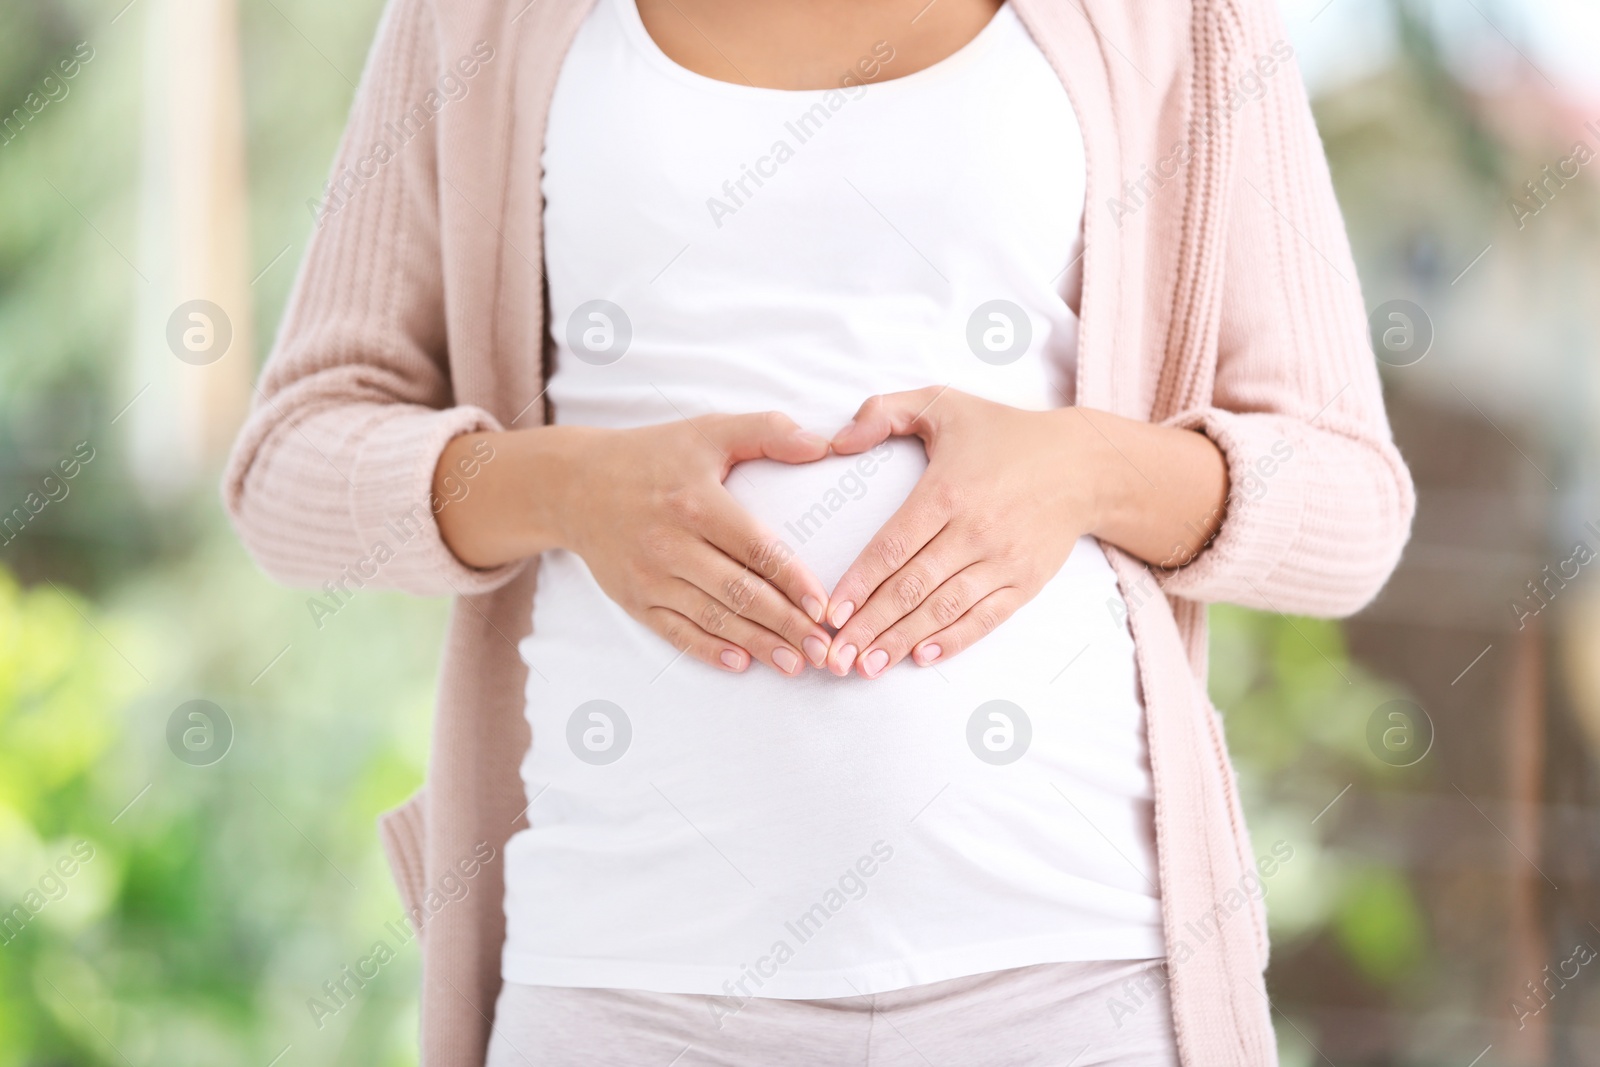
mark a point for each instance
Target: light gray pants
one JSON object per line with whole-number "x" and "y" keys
{"x": 1052, "y": 1015}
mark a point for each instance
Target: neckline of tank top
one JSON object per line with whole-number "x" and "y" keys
{"x": 957, "y": 62}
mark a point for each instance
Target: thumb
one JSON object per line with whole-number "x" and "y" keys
{"x": 766, "y": 435}
{"x": 907, "y": 414}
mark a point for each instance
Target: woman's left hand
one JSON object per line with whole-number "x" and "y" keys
{"x": 1006, "y": 495}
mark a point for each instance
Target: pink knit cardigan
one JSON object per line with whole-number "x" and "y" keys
{"x": 1219, "y": 294}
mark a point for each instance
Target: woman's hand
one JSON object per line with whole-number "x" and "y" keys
{"x": 647, "y": 512}
{"x": 1006, "y": 495}
{"x": 993, "y": 517}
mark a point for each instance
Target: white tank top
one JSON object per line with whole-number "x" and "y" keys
{"x": 714, "y": 247}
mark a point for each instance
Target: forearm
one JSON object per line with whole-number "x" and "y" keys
{"x": 513, "y": 506}
{"x": 1160, "y": 493}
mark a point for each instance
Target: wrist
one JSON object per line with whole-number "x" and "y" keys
{"x": 549, "y": 486}
{"x": 1098, "y": 473}
{"x": 1156, "y": 492}
{"x": 514, "y": 502}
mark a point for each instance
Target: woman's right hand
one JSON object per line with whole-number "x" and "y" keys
{"x": 646, "y": 510}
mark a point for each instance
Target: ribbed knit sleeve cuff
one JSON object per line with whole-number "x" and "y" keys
{"x": 393, "y": 502}
{"x": 1262, "y": 514}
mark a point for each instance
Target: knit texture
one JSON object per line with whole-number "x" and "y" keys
{"x": 1219, "y": 294}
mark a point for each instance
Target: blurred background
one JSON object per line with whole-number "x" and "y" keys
{"x": 189, "y": 874}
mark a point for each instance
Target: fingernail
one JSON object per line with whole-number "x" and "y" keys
{"x": 842, "y": 613}
{"x": 812, "y": 607}
{"x": 845, "y": 660}
{"x": 928, "y": 653}
{"x": 786, "y": 660}
{"x": 816, "y": 650}
{"x": 813, "y": 439}
{"x": 732, "y": 660}
{"x": 875, "y": 662}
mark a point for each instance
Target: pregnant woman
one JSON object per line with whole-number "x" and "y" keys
{"x": 832, "y": 418}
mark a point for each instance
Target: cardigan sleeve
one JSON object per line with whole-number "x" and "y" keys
{"x": 1320, "y": 502}
{"x": 331, "y": 475}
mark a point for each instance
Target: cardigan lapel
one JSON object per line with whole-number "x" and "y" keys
{"x": 519, "y": 309}
{"x": 1063, "y": 34}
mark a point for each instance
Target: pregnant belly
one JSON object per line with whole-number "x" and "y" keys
{"x": 719, "y": 783}
{"x": 603, "y": 689}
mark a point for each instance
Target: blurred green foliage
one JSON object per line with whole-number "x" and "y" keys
{"x": 66, "y": 295}
{"x": 1297, "y": 712}
{"x": 218, "y": 898}
{"x": 1378, "y": 924}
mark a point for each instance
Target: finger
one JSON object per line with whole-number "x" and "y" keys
{"x": 731, "y": 528}
{"x": 942, "y": 609}
{"x": 912, "y": 413}
{"x": 914, "y": 523}
{"x": 722, "y": 622}
{"x": 745, "y": 593}
{"x": 681, "y": 632}
{"x": 762, "y": 435}
{"x": 979, "y": 621}
{"x": 900, "y": 594}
